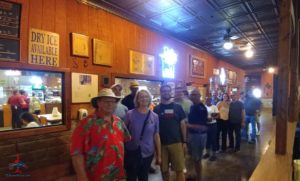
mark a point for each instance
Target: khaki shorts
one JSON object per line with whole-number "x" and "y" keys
{"x": 173, "y": 154}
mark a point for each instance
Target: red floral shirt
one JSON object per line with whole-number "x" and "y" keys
{"x": 102, "y": 145}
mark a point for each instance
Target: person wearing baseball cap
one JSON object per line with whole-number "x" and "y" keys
{"x": 98, "y": 134}
{"x": 121, "y": 110}
{"x": 128, "y": 100}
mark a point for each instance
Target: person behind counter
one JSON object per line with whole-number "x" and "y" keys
{"x": 15, "y": 101}
{"x": 28, "y": 120}
{"x": 35, "y": 105}
{"x": 25, "y": 105}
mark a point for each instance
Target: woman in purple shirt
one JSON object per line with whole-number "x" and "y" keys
{"x": 143, "y": 125}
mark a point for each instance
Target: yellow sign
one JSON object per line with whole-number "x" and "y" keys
{"x": 43, "y": 48}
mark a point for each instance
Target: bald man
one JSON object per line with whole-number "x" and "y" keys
{"x": 197, "y": 130}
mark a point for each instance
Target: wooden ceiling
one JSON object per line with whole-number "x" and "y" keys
{"x": 206, "y": 23}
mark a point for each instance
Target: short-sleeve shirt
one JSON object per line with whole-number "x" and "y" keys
{"x": 210, "y": 110}
{"x": 198, "y": 115}
{"x": 251, "y": 105}
{"x": 121, "y": 111}
{"x": 224, "y": 110}
{"x": 236, "y": 112}
{"x": 128, "y": 101}
{"x": 170, "y": 117}
{"x": 135, "y": 122}
{"x": 101, "y": 143}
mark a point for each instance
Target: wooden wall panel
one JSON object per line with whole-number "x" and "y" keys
{"x": 61, "y": 28}
{"x": 66, "y": 16}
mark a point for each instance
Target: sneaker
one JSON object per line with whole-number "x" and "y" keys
{"x": 257, "y": 133}
{"x": 206, "y": 155}
{"x": 212, "y": 158}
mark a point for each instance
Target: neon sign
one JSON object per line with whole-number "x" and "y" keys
{"x": 169, "y": 60}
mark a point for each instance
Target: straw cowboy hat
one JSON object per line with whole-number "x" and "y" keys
{"x": 134, "y": 84}
{"x": 104, "y": 93}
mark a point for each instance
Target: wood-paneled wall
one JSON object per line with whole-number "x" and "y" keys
{"x": 66, "y": 16}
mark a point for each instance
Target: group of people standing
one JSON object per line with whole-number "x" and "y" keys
{"x": 125, "y": 136}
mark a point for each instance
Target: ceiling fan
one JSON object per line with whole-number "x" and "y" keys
{"x": 231, "y": 41}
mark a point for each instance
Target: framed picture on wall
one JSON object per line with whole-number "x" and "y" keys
{"x": 197, "y": 67}
{"x": 80, "y": 45}
{"x": 141, "y": 63}
{"x": 102, "y": 52}
{"x": 84, "y": 87}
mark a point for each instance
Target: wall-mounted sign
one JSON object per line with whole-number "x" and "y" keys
{"x": 197, "y": 67}
{"x": 10, "y": 19}
{"x": 9, "y": 49}
{"x": 169, "y": 60}
{"x": 43, "y": 48}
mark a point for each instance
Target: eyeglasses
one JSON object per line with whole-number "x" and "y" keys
{"x": 109, "y": 102}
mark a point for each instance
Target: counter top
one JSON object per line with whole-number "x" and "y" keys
{"x": 276, "y": 167}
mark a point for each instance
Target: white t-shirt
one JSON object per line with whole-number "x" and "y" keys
{"x": 212, "y": 109}
{"x": 32, "y": 125}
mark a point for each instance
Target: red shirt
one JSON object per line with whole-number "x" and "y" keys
{"x": 102, "y": 145}
{"x": 15, "y": 100}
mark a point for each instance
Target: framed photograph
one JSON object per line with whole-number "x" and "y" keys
{"x": 141, "y": 63}
{"x": 80, "y": 45}
{"x": 84, "y": 87}
{"x": 102, "y": 52}
{"x": 105, "y": 81}
{"x": 197, "y": 67}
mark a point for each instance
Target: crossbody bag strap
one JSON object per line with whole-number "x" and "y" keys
{"x": 145, "y": 122}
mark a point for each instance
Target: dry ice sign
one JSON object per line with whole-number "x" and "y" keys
{"x": 43, "y": 48}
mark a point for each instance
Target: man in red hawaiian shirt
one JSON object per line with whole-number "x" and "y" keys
{"x": 97, "y": 147}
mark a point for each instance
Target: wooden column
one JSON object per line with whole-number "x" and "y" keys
{"x": 283, "y": 77}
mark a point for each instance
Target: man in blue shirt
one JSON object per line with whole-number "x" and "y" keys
{"x": 197, "y": 130}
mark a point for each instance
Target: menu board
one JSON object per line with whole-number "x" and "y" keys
{"x": 10, "y": 19}
{"x": 9, "y": 50}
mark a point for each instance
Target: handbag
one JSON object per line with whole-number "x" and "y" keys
{"x": 133, "y": 156}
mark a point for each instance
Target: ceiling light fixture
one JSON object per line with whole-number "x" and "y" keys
{"x": 228, "y": 45}
{"x": 271, "y": 70}
{"x": 249, "y": 53}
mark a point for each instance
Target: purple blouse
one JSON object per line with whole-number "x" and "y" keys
{"x": 134, "y": 122}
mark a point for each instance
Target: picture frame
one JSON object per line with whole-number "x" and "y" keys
{"x": 105, "y": 81}
{"x": 102, "y": 52}
{"x": 197, "y": 67}
{"x": 80, "y": 45}
{"x": 141, "y": 63}
{"x": 84, "y": 87}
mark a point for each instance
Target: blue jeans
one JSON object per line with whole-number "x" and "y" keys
{"x": 251, "y": 120}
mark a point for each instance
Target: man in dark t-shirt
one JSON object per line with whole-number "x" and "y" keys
{"x": 236, "y": 120}
{"x": 128, "y": 100}
{"x": 197, "y": 130}
{"x": 172, "y": 132}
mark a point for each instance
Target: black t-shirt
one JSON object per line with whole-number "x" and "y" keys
{"x": 235, "y": 112}
{"x": 198, "y": 115}
{"x": 170, "y": 116}
{"x": 128, "y": 102}
{"x": 251, "y": 104}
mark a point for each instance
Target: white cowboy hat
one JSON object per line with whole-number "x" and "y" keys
{"x": 106, "y": 92}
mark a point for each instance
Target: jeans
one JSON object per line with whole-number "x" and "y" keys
{"x": 250, "y": 120}
{"x": 211, "y": 143}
